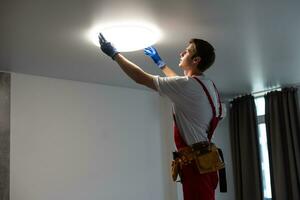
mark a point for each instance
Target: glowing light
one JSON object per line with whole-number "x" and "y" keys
{"x": 127, "y": 36}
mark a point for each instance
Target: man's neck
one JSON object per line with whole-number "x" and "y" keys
{"x": 192, "y": 73}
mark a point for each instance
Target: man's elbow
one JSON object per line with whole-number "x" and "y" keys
{"x": 147, "y": 83}
{"x": 139, "y": 81}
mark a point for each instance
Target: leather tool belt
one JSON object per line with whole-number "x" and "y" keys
{"x": 207, "y": 157}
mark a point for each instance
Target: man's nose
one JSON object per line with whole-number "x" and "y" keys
{"x": 181, "y": 54}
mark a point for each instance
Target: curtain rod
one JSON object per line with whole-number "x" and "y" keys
{"x": 263, "y": 92}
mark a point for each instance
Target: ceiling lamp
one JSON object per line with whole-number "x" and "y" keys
{"x": 127, "y": 36}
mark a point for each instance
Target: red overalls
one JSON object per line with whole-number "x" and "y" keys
{"x": 198, "y": 186}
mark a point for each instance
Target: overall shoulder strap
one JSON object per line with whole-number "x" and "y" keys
{"x": 219, "y": 101}
{"x": 215, "y": 119}
{"x": 208, "y": 96}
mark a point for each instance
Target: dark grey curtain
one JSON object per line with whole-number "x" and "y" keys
{"x": 4, "y": 134}
{"x": 283, "y": 129}
{"x": 245, "y": 152}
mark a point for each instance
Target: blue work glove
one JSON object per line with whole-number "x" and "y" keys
{"x": 152, "y": 53}
{"x": 107, "y": 47}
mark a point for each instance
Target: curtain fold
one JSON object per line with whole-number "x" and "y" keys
{"x": 283, "y": 129}
{"x": 4, "y": 135}
{"x": 245, "y": 152}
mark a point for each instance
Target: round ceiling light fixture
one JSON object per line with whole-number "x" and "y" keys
{"x": 127, "y": 36}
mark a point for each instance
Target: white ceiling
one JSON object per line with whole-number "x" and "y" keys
{"x": 257, "y": 42}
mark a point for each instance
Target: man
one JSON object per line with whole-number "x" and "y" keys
{"x": 195, "y": 100}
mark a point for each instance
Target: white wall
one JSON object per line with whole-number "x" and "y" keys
{"x": 73, "y": 141}
{"x": 222, "y": 139}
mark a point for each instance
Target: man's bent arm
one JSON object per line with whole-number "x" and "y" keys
{"x": 168, "y": 71}
{"x": 153, "y": 54}
{"x": 135, "y": 72}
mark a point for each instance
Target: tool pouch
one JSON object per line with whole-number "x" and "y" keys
{"x": 209, "y": 161}
{"x": 208, "y": 158}
{"x": 175, "y": 167}
{"x": 175, "y": 170}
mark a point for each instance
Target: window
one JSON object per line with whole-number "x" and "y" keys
{"x": 263, "y": 147}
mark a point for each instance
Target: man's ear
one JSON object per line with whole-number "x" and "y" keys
{"x": 197, "y": 60}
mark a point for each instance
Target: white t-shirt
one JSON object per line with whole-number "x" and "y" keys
{"x": 191, "y": 106}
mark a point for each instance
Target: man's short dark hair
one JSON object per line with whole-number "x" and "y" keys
{"x": 205, "y": 51}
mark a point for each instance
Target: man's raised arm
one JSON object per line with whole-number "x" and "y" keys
{"x": 131, "y": 69}
{"x": 152, "y": 53}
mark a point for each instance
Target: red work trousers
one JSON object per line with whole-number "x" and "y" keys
{"x": 198, "y": 186}
{"x": 195, "y": 186}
